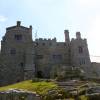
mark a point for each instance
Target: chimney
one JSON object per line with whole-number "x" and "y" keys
{"x": 67, "y": 39}
{"x": 78, "y": 35}
{"x": 18, "y": 23}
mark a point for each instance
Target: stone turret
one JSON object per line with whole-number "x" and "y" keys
{"x": 67, "y": 39}
{"x": 79, "y": 51}
{"x": 18, "y": 52}
{"x": 18, "y": 23}
{"x": 30, "y": 30}
{"x": 78, "y": 35}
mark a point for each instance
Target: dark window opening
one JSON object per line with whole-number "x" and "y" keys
{"x": 57, "y": 56}
{"x": 57, "y": 44}
{"x": 18, "y": 37}
{"x": 39, "y": 56}
{"x": 36, "y": 44}
{"x": 43, "y": 44}
{"x": 80, "y": 49}
{"x": 64, "y": 44}
{"x": 82, "y": 61}
{"x": 21, "y": 64}
{"x": 18, "y": 80}
{"x": 50, "y": 44}
{"x": 39, "y": 74}
{"x": 13, "y": 51}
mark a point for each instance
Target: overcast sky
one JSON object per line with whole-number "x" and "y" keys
{"x": 50, "y": 17}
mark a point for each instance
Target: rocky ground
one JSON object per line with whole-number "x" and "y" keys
{"x": 43, "y": 89}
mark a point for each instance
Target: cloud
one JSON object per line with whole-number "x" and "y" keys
{"x": 3, "y": 18}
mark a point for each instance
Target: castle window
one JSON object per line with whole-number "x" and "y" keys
{"x": 50, "y": 44}
{"x": 39, "y": 74}
{"x": 13, "y": 51}
{"x": 21, "y": 64}
{"x": 39, "y": 56}
{"x": 80, "y": 49}
{"x": 57, "y": 56}
{"x": 18, "y": 37}
{"x": 64, "y": 44}
{"x": 82, "y": 61}
{"x": 36, "y": 44}
{"x": 43, "y": 43}
{"x": 57, "y": 44}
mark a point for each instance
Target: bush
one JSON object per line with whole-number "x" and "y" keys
{"x": 93, "y": 97}
{"x": 60, "y": 78}
{"x": 55, "y": 94}
{"x": 36, "y": 80}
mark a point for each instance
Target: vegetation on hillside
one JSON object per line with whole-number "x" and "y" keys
{"x": 47, "y": 90}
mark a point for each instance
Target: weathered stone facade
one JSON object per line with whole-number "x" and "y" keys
{"x": 22, "y": 58}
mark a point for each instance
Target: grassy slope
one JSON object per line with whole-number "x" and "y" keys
{"x": 83, "y": 97}
{"x": 38, "y": 87}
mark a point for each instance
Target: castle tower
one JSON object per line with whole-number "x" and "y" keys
{"x": 79, "y": 51}
{"x": 18, "y": 53}
{"x": 67, "y": 39}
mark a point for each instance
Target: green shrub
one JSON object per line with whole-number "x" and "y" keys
{"x": 94, "y": 97}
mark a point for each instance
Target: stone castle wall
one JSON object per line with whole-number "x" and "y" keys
{"x": 24, "y": 58}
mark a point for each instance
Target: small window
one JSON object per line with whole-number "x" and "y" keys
{"x": 43, "y": 44}
{"x": 36, "y": 44}
{"x": 18, "y": 37}
{"x": 21, "y": 64}
{"x": 57, "y": 56}
{"x": 64, "y": 44}
{"x": 50, "y": 44}
{"x": 13, "y": 51}
{"x": 57, "y": 44}
{"x": 39, "y": 56}
{"x": 80, "y": 49}
{"x": 82, "y": 61}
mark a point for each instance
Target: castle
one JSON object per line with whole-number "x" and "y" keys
{"x": 22, "y": 58}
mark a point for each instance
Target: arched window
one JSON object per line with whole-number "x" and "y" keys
{"x": 80, "y": 49}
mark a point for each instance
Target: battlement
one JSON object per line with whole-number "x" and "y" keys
{"x": 45, "y": 40}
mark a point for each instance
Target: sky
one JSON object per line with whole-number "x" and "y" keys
{"x": 50, "y": 18}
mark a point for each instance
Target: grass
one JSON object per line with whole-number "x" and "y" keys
{"x": 47, "y": 90}
{"x": 38, "y": 87}
{"x": 83, "y": 97}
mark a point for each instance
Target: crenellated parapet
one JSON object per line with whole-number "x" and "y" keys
{"x": 45, "y": 40}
